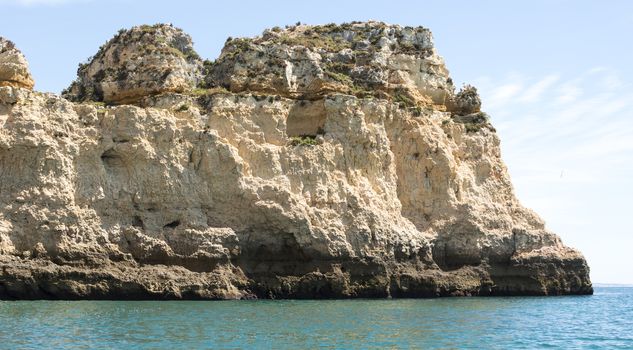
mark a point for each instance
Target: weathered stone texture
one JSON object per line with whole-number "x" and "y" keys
{"x": 14, "y": 69}
{"x": 278, "y": 181}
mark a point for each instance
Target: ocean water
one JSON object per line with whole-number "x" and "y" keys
{"x": 601, "y": 321}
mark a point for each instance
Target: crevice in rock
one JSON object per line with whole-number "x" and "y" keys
{"x": 120, "y": 140}
{"x": 110, "y": 158}
{"x": 172, "y": 224}
{"x": 137, "y": 221}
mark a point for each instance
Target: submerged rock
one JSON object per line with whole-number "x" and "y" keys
{"x": 249, "y": 186}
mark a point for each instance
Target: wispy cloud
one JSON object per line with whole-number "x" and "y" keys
{"x": 535, "y": 91}
{"x": 568, "y": 144}
{"x": 564, "y": 135}
{"x": 504, "y": 94}
{"x": 568, "y": 92}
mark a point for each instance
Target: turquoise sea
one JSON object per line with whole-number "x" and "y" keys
{"x": 601, "y": 321}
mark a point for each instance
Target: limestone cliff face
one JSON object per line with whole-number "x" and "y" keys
{"x": 290, "y": 172}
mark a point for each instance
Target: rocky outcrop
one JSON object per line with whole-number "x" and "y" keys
{"x": 142, "y": 61}
{"x": 249, "y": 186}
{"x": 14, "y": 69}
{"x": 359, "y": 58}
{"x": 466, "y": 101}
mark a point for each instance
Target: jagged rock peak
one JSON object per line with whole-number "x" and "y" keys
{"x": 14, "y": 69}
{"x": 358, "y": 58}
{"x": 142, "y": 61}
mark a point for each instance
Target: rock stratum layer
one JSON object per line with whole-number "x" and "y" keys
{"x": 330, "y": 161}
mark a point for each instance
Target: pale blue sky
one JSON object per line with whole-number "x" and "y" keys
{"x": 556, "y": 77}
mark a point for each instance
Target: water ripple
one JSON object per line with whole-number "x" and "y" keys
{"x": 604, "y": 320}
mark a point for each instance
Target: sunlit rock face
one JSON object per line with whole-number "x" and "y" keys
{"x": 14, "y": 69}
{"x": 138, "y": 62}
{"x": 330, "y": 161}
{"x": 361, "y": 58}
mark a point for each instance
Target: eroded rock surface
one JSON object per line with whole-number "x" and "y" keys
{"x": 257, "y": 188}
{"x": 142, "y": 61}
{"x": 14, "y": 69}
{"x": 359, "y": 58}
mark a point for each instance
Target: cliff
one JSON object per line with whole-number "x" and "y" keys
{"x": 326, "y": 161}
